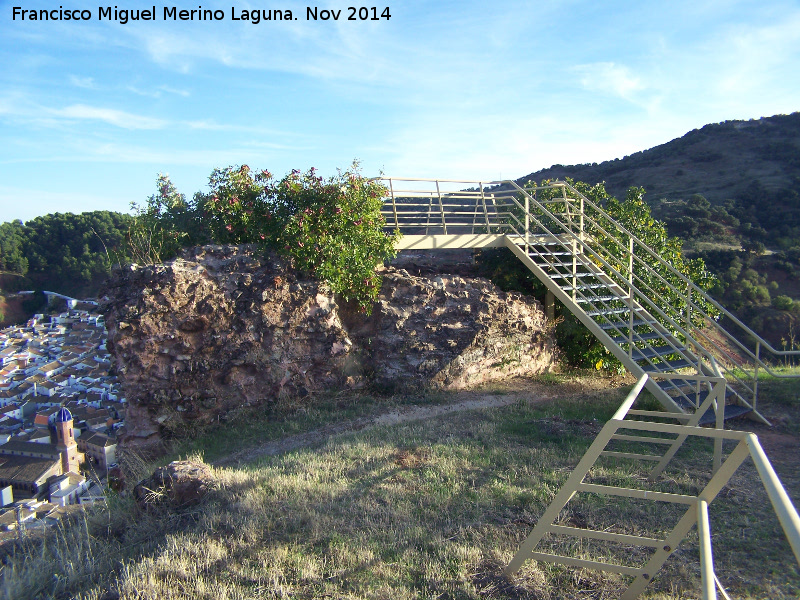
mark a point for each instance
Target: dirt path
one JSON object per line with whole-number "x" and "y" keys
{"x": 468, "y": 401}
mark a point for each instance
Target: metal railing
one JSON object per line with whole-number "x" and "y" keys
{"x": 641, "y": 432}
{"x": 640, "y": 279}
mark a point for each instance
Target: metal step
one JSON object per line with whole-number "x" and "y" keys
{"x": 571, "y": 275}
{"x": 690, "y": 400}
{"x": 657, "y": 351}
{"x": 625, "y": 324}
{"x": 597, "y": 299}
{"x": 672, "y": 384}
{"x": 565, "y": 265}
{"x": 639, "y": 337}
{"x": 610, "y": 311}
{"x": 698, "y": 399}
{"x": 731, "y": 412}
{"x": 535, "y": 254}
{"x": 588, "y": 286}
{"x": 668, "y": 365}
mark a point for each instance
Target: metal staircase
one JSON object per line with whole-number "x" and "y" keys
{"x": 662, "y": 327}
{"x": 645, "y": 312}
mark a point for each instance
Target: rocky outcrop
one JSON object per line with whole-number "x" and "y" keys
{"x": 225, "y": 326}
{"x": 179, "y": 484}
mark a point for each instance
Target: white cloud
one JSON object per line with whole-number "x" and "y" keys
{"x": 177, "y": 92}
{"x": 111, "y": 116}
{"x": 83, "y": 82}
{"x": 609, "y": 78}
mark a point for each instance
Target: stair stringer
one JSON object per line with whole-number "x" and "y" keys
{"x": 666, "y": 400}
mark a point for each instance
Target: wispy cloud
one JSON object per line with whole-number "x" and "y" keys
{"x": 176, "y": 92}
{"x": 609, "y": 78}
{"x": 118, "y": 118}
{"x": 86, "y": 83}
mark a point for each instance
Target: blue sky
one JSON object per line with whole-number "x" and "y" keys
{"x": 91, "y": 111}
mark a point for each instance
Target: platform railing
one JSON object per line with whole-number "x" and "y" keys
{"x": 558, "y": 210}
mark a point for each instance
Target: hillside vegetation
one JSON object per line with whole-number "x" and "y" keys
{"x": 411, "y": 509}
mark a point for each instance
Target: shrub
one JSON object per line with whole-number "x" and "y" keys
{"x": 331, "y": 229}
{"x": 782, "y": 303}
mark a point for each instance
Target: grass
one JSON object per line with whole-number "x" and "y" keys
{"x": 423, "y": 509}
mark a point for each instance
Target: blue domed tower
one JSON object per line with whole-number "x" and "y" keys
{"x": 65, "y": 442}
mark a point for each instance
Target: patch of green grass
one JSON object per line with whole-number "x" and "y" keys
{"x": 424, "y": 509}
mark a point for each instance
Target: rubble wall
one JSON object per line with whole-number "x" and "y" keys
{"x": 226, "y": 326}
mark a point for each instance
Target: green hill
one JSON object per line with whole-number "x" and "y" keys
{"x": 719, "y": 161}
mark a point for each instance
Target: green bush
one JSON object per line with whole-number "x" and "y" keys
{"x": 783, "y": 303}
{"x": 331, "y": 229}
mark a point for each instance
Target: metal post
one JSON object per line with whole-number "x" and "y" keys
{"x": 494, "y": 211}
{"x": 718, "y": 389}
{"x": 394, "y": 205}
{"x": 485, "y": 210}
{"x": 441, "y": 207}
{"x": 755, "y": 375}
{"x": 574, "y": 269}
{"x": 688, "y": 310}
{"x": 428, "y": 217}
{"x": 630, "y": 297}
{"x": 581, "y": 223}
{"x": 707, "y": 578}
{"x": 527, "y": 223}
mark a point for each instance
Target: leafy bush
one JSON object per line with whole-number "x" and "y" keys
{"x": 783, "y": 303}
{"x": 331, "y": 229}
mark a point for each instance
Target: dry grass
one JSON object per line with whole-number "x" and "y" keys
{"x": 431, "y": 509}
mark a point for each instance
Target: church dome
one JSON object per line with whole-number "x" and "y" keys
{"x": 63, "y": 416}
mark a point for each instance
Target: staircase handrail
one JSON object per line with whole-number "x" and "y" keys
{"x": 759, "y": 340}
{"x": 678, "y": 327}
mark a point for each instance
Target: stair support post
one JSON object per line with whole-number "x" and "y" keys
{"x": 630, "y": 296}
{"x": 527, "y": 224}
{"x": 755, "y": 375}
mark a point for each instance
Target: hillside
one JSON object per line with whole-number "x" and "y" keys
{"x": 719, "y": 161}
{"x": 731, "y": 192}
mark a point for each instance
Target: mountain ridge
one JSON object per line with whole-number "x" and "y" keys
{"x": 719, "y": 161}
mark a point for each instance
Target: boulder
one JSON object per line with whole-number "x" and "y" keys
{"x": 222, "y": 327}
{"x": 180, "y": 484}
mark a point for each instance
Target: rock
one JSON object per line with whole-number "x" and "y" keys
{"x": 221, "y": 327}
{"x": 178, "y": 485}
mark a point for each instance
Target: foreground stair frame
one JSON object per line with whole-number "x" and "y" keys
{"x": 697, "y": 506}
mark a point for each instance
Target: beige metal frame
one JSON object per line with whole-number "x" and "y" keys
{"x": 517, "y": 218}
{"x": 696, "y": 506}
{"x": 433, "y": 217}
